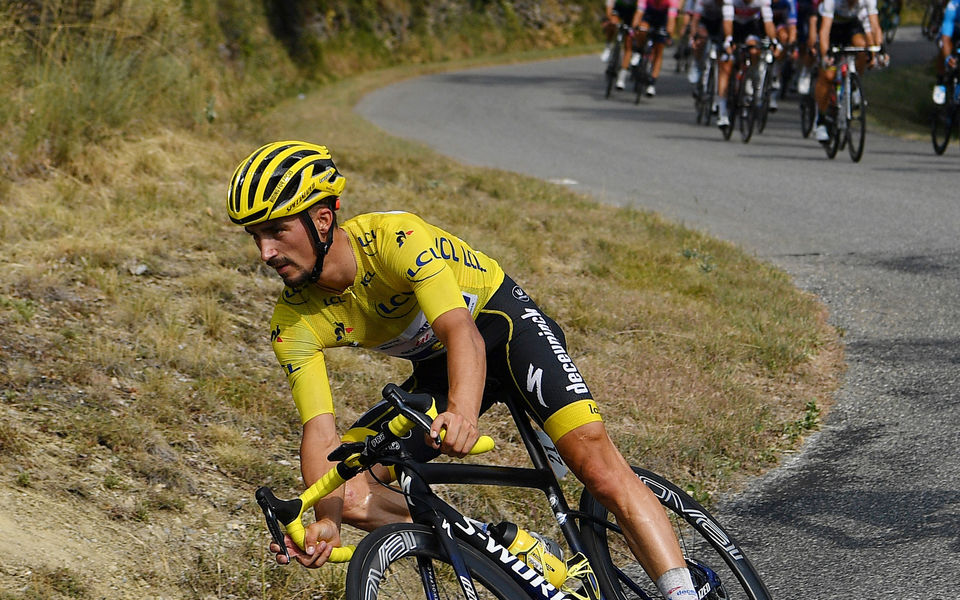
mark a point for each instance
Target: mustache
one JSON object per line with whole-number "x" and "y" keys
{"x": 276, "y": 263}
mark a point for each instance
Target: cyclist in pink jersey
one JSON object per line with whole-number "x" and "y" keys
{"x": 660, "y": 16}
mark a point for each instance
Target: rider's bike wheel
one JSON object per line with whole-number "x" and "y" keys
{"x": 745, "y": 110}
{"x": 942, "y": 123}
{"x": 613, "y": 67}
{"x": 733, "y": 88}
{"x": 389, "y": 563}
{"x": 857, "y": 123}
{"x": 719, "y": 568}
{"x": 708, "y": 83}
{"x": 808, "y": 114}
{"x": 833, "y": 144}
{"x": 932, "y": 17}
{"x": 761, "y": 100}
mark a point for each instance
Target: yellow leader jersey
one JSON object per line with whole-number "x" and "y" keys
{"x": 408, "y": 273}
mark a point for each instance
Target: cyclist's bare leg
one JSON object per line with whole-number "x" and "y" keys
{"x": 859, "y": 39}
{"x": 593, "y": 458}
{"x": 657, "y": 59}
{"x": 368, "y": 505}
{"x": 822, "y": 90}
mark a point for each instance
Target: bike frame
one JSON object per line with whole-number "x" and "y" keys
{"x": 450, "y": 525}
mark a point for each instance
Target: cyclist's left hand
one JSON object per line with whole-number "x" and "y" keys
{"x": 461, "y": 435}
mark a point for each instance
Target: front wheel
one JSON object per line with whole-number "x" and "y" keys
{"x": 857, "y": 122}
{"x": 744, "y": 108}
{"x": 718, "y": 566}
{"x": 808, "y": 114}
{"x": 833, "y": 144}
{"x": 613, "y": 68}
{"x": 941, "y": 127}
{"x": 403, "y": 560}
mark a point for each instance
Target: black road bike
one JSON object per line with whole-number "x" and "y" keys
{"x": 932, "y": 19}
{"x": 846, "y": 116}
{"x": 705, "y": 92}
{"x": 751, "y": 85}
{"x": 444, "y": 554}
{"x": 944, "y": 119}
{"x": 614, "y": 60}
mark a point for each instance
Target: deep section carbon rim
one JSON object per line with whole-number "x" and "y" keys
{"x": 390, "y": 562}
{"x": 717, "y": 564}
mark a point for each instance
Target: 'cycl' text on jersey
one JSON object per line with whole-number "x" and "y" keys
{"x": 445, "y": 249}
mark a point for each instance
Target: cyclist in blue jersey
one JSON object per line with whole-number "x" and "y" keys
{"x": 785, "y": 21}
{"x": 949, "y": 32}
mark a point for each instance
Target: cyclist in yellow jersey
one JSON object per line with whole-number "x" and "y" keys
{"x": 394, "y": 283}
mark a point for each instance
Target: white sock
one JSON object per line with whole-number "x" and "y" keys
{"x": 676, "y": 584}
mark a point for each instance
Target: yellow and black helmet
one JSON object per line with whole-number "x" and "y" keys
{"x": 283, "y": 179}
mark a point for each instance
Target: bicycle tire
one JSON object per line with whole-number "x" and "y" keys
{"x": 706, "y": 93}
{"x": 857, "y": 123}
{"x": 808, "y": 114}
{"x": 707, "y": 547}
{"x": 942, "y": 123}
{"x": 613, "y": 66}
{"x": 833, "y": 144}
{"x": 745, "y": 111}
{"x": 385, "y": 566}
{"x": 732, "y": 90}
{"x": 763, "y": 106}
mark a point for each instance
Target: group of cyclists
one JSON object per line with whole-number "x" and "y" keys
{"x": 800, "y": 32}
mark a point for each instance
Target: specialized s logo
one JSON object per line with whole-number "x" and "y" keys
{"x": 535, "y": 382}
{"x": 402, "y": 237}
{"x": 275, "y": 336}
{"x": 341, "y": 330}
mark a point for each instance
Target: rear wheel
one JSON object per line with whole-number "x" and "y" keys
{"x": 857, "y": 123}
{"x": 720, "y": 569}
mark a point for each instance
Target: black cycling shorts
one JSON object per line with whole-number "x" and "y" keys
{"x": 842, "y": 32}
{"x": 527, "y": 363}
{"x": 742, "y": 32}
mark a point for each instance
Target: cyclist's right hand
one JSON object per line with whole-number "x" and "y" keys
{"x": 320, "y": 539}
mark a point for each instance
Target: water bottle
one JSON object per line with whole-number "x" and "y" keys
{"x": 542, "y": 554}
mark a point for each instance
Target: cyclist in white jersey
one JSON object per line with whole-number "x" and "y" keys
{"x": 706, "y": 20}
{"x": 842, "y": 23}
{"x": 744, "y": 22}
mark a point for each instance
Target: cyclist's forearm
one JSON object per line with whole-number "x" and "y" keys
{"x": 319, "y": 439}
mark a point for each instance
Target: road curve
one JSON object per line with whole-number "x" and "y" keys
{"x": 871, "y": 507}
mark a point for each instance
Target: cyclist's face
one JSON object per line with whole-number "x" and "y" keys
{"x": 285, "y": 245}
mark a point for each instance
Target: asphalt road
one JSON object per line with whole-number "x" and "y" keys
{"x": 871, "y": 507}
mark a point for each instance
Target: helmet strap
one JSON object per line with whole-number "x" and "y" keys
{"x": 320, "y": 247}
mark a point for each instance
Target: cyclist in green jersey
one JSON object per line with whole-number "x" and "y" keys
{"x": 394, "y": 283}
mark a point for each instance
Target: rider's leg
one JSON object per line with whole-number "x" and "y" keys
{"x": 593, "y": 458}
{"x": 657, "y": 59}
{"x": 368, "y": 505}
